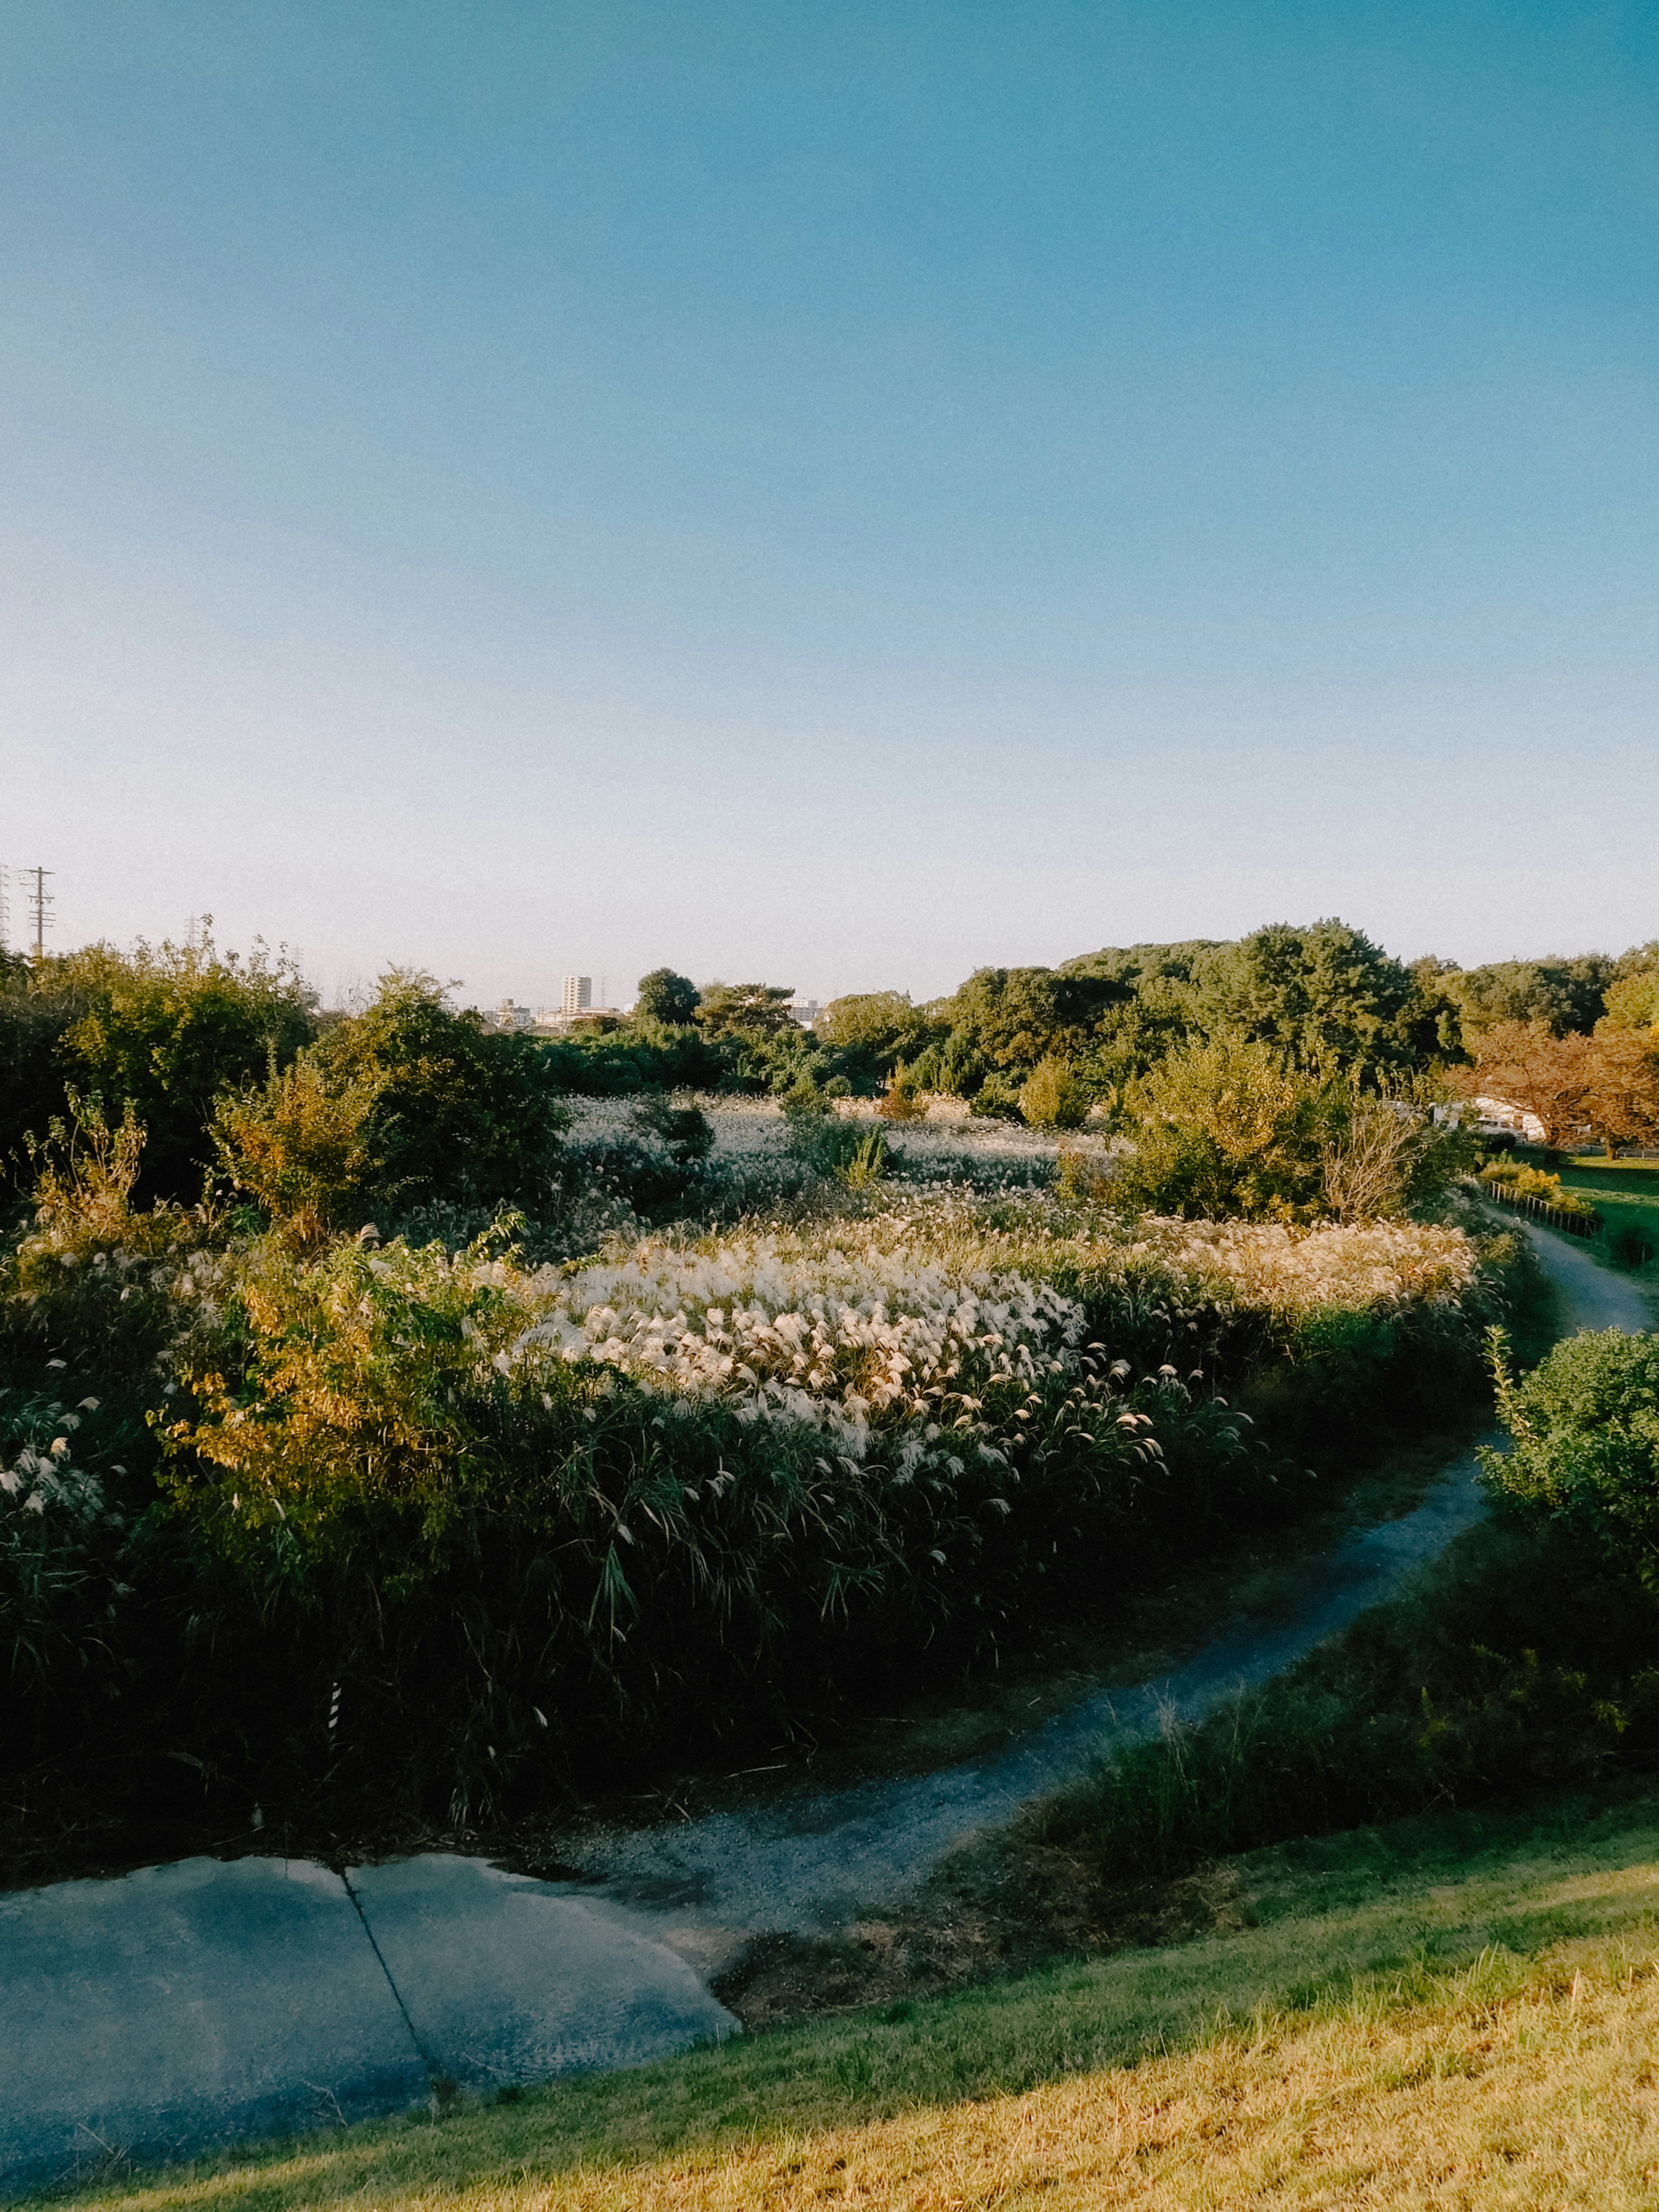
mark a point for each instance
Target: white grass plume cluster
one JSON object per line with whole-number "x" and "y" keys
{"x": 43, "y": 1476}
{"x": 843, "y": 1322}
{"x": 755, "y": 1129}
{"x": 1295, "y": 1272}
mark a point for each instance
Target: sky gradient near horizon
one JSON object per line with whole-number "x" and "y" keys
{"x": 839, "y": 494}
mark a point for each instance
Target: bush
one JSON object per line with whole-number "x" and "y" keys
{"x": 902, "y": 1100}
{"x": 1585, "y": 1426}
{"x": 422, "y": 1542}
{"x": 1381, "y": 1156}
{"x": 407, "y": 1103}
{"x": 644, "y": 1055}
{"x": 97, "y": 1283}
{"x": 1051, "y": 1098}
{"x": 1523, "y": 1181}
{"x": 164, "y": 1029}
{"x": 408, "y": 1471}
{"x": 302, "y": 1148}
{"x": 1224, "y": 1130}
{"x": 684, "y": 1130}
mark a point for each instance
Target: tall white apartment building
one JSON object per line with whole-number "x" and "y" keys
{"x": 578, "y": 994}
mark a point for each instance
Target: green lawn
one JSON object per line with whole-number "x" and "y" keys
{"x": 1625, "y": 1193}
{"x": 1467, "y": 2005}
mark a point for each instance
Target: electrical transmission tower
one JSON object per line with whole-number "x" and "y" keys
{"x": 41, "y": 902}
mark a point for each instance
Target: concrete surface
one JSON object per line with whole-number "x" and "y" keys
{"x": 507, "y": 1979}
{"x": 186, "y": 2004}
{"x": 205, "y": 2002}
{"x": 191, "y": 2004}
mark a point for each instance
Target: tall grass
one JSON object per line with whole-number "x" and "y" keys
{"x": 445, "y": 1527}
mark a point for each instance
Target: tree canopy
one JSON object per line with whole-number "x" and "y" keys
{"x": 1324, "y": 995}
{"x": 1553, "y": 993}
{"x": 667, "y": 998}
{"x": 728, "y": 1008}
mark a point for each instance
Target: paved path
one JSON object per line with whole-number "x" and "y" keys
{"x": 208, "y": 2001}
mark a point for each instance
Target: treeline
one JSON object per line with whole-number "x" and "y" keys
{"x": 1047, "y": 1044}
{"x": 212, "y": 1051}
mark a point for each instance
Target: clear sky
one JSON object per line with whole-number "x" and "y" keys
{"x": 837, "y": 494}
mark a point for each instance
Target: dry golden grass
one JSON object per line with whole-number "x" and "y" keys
{"x": 1545, "y": 2098}
{"x": 1522, "y": 2076}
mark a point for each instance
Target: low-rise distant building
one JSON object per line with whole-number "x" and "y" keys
{"x": 804, "y": 1011}
{"x": 1497, "y": 1114}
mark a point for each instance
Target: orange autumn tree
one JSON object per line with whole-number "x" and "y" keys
{"x": 1622, "y": 1106}
{"x": 1526, "y": 1067}
{"x": 1606, "y": 1085}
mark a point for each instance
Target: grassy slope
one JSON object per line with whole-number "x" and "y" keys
{"x": 1446, "y": 2012}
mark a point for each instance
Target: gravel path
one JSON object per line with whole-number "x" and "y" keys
{"x": 1592, "y": 1295}
{"x": 208, "y": 2001}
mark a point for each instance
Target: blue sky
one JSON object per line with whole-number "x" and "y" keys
{"x": 837, "y": 494}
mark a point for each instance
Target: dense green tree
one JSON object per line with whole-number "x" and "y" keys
{"x": 955, "y": 1066}
{"x": 773, "y": 1061}
{"x": 1226, "y": 1130}
{"x": 762, "y": 1008}
{"x": 1585, "y": 1426}
{"x": 1013, "y": 1017}
{"x": 1429, "y": 1026}
{"x": 32, "y": 1020}
{"x": 1148, "y": 1009}
{"x": 640, "y": 1055}
{"x": 1323, "y": 995}
{"x": 1561, "y": 995}
{"x": 1632, "y": 1000}
{"x": 459, "y": 1112}
{"x": 667, "y": 998}
{"x": 1129, "y": 968}
{"x": 1051, "y": 1098}
{"x": 868, "y": 1034}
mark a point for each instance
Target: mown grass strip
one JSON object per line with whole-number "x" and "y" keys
{"x": 1432, "y": 2041}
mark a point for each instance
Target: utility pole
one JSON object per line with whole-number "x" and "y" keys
{"x": 42, "y": 902}
{"x": 5, "y": 911}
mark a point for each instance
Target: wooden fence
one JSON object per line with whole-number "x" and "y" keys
{"x": 1575, "y": 1224}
